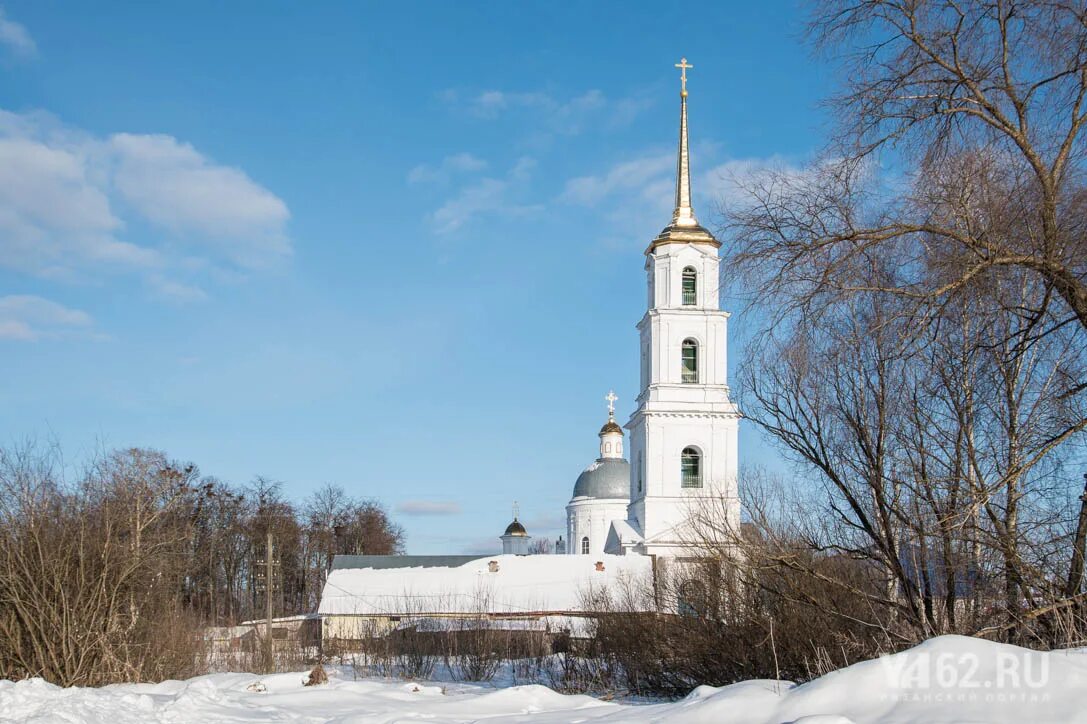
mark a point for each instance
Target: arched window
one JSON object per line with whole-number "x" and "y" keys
{"x": 691, "y": 468}
{"x": 690, "y": 286}
{"x": 641, "y": 470}
{"x": 585, "y": 545}
{"x": 689, "y": 362}
{"x": 692, "y": 598}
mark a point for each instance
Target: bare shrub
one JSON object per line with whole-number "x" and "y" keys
{"x": 317, "y": 676}
{"x": 89, "y": 572}
{"x": 416, "y": 651}
{"x": 707, "y": 621}
{"x": 474, "y": 649}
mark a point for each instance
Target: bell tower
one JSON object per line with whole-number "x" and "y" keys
{"x": 683, "y": 433}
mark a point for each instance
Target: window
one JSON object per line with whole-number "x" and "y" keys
{"x": 585, "y": 545}
{"x": 692, "y": 599}
{"x": 641, "y": 469}
{"x": 645, "y": 365}
{"x": 690, "y": 286}
{"x": 689, "y": 362}
{"x": 691, "y": 468}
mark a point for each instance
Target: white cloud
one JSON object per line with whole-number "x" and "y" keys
{"x": 490, "y": 103}
{"x": 641, "y": 176}
{"x": 481, "y": 197}
{"x": 53, "y": 209}
{"x": 428, "y": 507}
{"x": 636, "y": 196}
{"x": 174, "y": 186}
{"x": 487, "y": 196}
{"x": 68, "y": 199}
{"x": 523, "y": 169}
{"x": 564, "y": 116}
{"x": 651, "y": 178}
{"x": 16, "y": 38}
{"x": 175, "y": 291}
{"x": 456, "y": 164}
{"x": 727, "y": 183}
{"x": 26, "y": 317}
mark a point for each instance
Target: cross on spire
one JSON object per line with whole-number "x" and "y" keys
{"x": 684, "y": 214}
{"x": 683, "y": 65}
{"x": 611, "y": 398}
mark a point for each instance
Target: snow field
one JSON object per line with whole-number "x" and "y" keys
{"x": 951, "y": 679}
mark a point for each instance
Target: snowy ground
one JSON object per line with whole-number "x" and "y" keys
{"x": 949, "y": 679}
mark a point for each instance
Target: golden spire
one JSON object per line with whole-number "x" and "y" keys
{"x": 684, "y": 214}
{"x": 684, "y": 228}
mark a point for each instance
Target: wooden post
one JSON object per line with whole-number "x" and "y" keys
{"x": 269, "y": 649}
{"x": 1075, "y": 568}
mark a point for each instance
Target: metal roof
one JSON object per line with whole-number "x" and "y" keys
{"x": 342, "y": 561}
{"x": 605, "y": 478}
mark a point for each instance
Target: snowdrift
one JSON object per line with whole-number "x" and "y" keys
{"x": 945, "y": 680}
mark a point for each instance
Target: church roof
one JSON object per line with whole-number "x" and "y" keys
{"x": 348, "y": 561}
{"x": 605, "y": 478}
{"x": 515, "y": 528}
{"x": 514, "y": 584}
{"x": 621, "y": 535}
{"x": 611, "y": 426}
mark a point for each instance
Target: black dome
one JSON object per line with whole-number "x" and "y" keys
{"x": 515, "y": 528}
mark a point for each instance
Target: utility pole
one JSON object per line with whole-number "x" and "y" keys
{"x": 1075, "y": 568}
{"x": 269, "y": 649}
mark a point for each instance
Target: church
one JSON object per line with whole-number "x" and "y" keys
{"x": 630, "y": 506}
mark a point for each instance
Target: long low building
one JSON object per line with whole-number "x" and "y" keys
{"x": 367, "y": 595}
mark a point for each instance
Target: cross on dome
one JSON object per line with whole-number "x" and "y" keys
{"x": 611, "y": 398}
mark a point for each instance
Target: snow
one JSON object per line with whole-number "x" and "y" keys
{"x": 945, "y": 680}
{"x": 521, "y": 584}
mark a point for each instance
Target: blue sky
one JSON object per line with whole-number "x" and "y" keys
{"x": 392, "y": 246}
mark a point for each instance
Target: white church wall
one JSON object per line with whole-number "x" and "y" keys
{"x": 665, "y": 271}
{"x": 659, "y": 439}
{"x": 592, "y": 517}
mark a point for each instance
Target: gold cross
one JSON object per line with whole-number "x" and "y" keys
{"x": 611, "y": 398}
{"x": 683, "y": 66}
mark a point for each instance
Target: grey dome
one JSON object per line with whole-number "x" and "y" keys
{"x": 605, "y": 478}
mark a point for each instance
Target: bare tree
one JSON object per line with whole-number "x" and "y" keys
{"x": 110, "y": 576}
{"x": 926, "y": 283}
{"x": 977, "y": 107}
{"x": 541, "y": 546}
{"x": 89, "y": 572}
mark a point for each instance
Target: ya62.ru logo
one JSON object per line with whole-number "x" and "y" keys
{"x": 1007, "y": 670}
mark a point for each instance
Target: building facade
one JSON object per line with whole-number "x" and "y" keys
{"x": 684, "y": 431}
{"x": 601, "y": 493}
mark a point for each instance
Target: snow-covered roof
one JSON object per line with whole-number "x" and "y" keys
{"x": 349, "y": 561}
{"x": 282, "y": 619}
{"x": 621, "y": 534}
{"x": 520, "y": 584}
